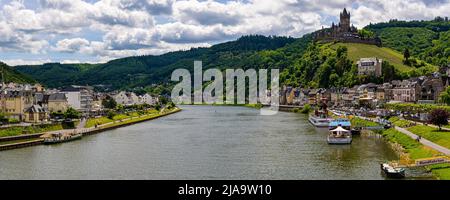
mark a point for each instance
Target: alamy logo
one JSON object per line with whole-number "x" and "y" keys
{"x": 235, "y": 92}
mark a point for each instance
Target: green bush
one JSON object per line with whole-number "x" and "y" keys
{"x": 306, "y": 109}
{"x": 13, "y": 121}
{"x": 111, "y": 114}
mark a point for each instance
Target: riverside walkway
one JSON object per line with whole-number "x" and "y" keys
{"x": 424, "y": 141}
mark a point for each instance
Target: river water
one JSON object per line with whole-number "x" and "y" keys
{"x": 204, "y": 142}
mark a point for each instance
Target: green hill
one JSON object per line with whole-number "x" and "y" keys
{"x": 301, "y": 62}
{"x": 11, "y": 75}
{"x": 141, "y": 71}
{"x": 426, "y": 40}
{"x": 357, "y": 51}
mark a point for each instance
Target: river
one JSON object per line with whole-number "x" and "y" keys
{"x": 204, "y": 142}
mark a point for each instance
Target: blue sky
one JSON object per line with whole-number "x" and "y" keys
{"x": 72, "y": 31}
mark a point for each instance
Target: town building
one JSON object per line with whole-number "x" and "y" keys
{"x": 148, "y": 99}
{"x": 405, "y": 91}
{"x": 14, "y": 103}
{"x": 431, "y": 88}
{"x": 126, "y": 98}
{"x": 57, "y": 102}
{"x": 36, "y": 114}
{"x": 79, "y": 97}
{"x": 370, "y": 67}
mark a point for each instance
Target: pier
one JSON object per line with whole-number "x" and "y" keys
{"x": 21, "y": 144}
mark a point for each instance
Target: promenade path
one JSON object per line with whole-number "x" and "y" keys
{"x": 424, "y": 141}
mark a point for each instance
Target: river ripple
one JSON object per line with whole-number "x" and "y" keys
{"x": 203, "y": 142}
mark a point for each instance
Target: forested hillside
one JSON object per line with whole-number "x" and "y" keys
{"x": 301, "y": 61}
{"x": 147, "y": 70}
{"x": 426, "y": 40}
{"x": 11, "y": 75}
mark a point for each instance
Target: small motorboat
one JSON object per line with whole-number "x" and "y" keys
{"x": 393, "y": 172}
{"x": 356, "y": 131}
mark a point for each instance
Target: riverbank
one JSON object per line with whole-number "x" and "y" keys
{"x": 407, "y": 148}
{"x": 34, "y": 139}
{"x": 410, "y": 150}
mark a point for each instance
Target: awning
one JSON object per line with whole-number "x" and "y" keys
{"x": 340, "y": 129}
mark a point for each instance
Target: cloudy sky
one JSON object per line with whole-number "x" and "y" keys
{"x": 38, "y": 31}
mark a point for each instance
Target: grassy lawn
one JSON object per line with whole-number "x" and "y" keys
{"x": 415, "y": 150}
{"x": 442, "y": 171}
{"x": 400, "y": 122}
{"x": 14, "y": 131}
{"x": 93, "y": 121}
{"x": 150, "y": 115}
{"x": 433, "y": 134}
{"x": 103, "y": 120}
{"x": 358, "y": 122}
{"x": 357, "y": 51}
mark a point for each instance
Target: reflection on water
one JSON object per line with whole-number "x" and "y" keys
{"x": 204, "y": 142}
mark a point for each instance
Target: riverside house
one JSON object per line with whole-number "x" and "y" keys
{"x": 57, "y": 102}
{"x": 126, "y": 98}
{"x": 148, "y": 99}
{"x": 14, "y": 103}
{"x": 36, "y": 114}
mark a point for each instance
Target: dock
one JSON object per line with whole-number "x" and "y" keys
{"x": 21, "y": 144}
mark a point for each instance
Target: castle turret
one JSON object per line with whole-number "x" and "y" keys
{"x": 345, "y": 21}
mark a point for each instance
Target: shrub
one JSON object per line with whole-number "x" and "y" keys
{"x": 110, "y": 114}
{"x": 306, "y": 109}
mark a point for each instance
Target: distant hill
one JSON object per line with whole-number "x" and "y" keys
{"x": 426, "y": 40}
{"x": 146, "y": 70}
{"x": 11, "y": 75}
{"x": 301, "y": 61}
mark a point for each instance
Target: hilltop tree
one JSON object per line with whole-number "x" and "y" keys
{"x": 406, "y": 56}
{"x": 439, "y": 117}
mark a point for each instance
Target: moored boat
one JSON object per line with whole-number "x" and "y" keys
{"x": 319, "y": 121}
{"x": 393, "y": 172}
{"x": 339, "y": 135}
{"x": 55, "y": 138}
{"x": 341, "y": 122}
{"x": 356, "y": 130}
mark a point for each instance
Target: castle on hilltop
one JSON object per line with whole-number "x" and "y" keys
{"x": 344, "y": 32}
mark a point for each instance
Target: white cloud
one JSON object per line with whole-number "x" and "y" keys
{"x": 71, "y": 45}
{"x": 14, "y": 62}
{"x": 106, "y": 29}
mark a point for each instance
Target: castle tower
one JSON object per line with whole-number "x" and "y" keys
{"x": 345, "y": 21}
